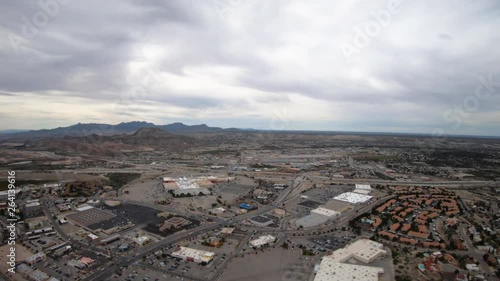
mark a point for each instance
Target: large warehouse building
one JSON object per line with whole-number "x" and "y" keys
{"x": 334, "y": 268}
{"x": 311, "y": 220}
{"x": 330, "y": 270}
{"x": 317, "y": 217}
{"x": 194, "y": 255}
{"x": 261, "y": 221}
{"x": 363, "y": 250}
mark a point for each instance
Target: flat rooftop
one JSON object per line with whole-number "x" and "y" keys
{"x": 325, "y": 212}
{"x": 331, "y": 270}
{"x": 353, "y": 198}
{"x": 204, "y": 256}
{"x": 363, "y": 250}
{"x": 261, "y": 219}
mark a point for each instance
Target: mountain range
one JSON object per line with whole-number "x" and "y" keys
{"x": 85, "y": 129}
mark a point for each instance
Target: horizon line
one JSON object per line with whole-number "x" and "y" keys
{"x": 443, "y": 136}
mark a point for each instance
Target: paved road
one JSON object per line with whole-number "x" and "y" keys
{"x": 343, "y": 221}
{"x": 179, "y": 236}
{"x": 473, "y": 251}
{"x": 238, "y": 251}
{"x": 73, "y": 243}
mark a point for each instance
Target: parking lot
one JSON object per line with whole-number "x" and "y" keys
{"x": 332, "y": 243}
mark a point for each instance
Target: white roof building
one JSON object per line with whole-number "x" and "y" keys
{"x": 353, "y": 198}
{"x": 92, "y": 236}
{"x": 326, "y": 212}
{"x": 193, "y": 255}
{"x": 333, "y": 268}
{"x": 84, "y": 207}
{"x": 330, "y": 270}
{"x": 363, "y": 186}
{"x": 218, "y": 210}
{"x": 33, "y": 204}
{"x": 262, "y": 240}
{"x": 362, "y": 191}
{"x": 363, "y": 250}
{"x": 141, "y": 240}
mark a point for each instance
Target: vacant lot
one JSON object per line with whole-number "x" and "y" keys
{"x": 272, "y": 264}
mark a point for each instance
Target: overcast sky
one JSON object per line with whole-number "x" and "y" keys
{"x": 408, "y": 66}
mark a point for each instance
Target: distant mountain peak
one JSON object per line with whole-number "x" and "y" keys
{"x": 133, "y": 127}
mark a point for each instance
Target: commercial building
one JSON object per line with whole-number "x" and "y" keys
{"x": 36, "y": 258}
{"x": 217, "y": 211}
{"x": 241, "y": 211}
{"x": 325, "y": 212}
{"x": 63, "y": 207}
{"x": 362, "y": 191}
{"x": 92, "y": 237}
{"x": 185, "y": 186}
{"x": 280, "y": 212}
{"x": 38, "y": 275}
{"x": 87, "y": 261}
{"x": 261, "y": 221}
{"x": 23, "y": 269}
{"x": 353, "y": 198}
{"x": 174, "y": 223}
{"x": 227, "y": 230}
{"x": 334, "y": 268}
{"x": 84, "y": 207}
{"x": 311, "y": 220}
{"x": 363, "y": 250}
{"x": 363, "y": 187}
{"x": 330, "y": 270}
{"x": 193, "y": 183}
{"x": 109, "y": 239}
{"x": 279, "y": 186}
{"x": 317, "y": 216}
{"x": 246, "y": 206}
{"x": 141, "y": 240}
{"x": 193, "y": 255}
{"x": 262, "y": 241}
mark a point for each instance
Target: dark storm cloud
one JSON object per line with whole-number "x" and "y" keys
{"x": 249, "y": 58}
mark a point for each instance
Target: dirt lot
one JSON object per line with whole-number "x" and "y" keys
{"x": 273, "y": 264}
